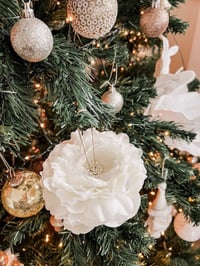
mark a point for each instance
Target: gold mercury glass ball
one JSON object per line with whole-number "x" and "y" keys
{"x": 154, "y": 22}
{"x": 92, "y": 18}
{"x": 24, "y": 199}
{"x": 31, "y": 39}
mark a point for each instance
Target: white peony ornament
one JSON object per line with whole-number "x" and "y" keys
{"x": 93, "y": 179}
{"x": 175, "y": 103}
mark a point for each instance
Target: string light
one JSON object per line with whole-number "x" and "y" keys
{"x": 47, "y": 238}
{"x": 60, "y": 245}
{"x": 140, "y": 255}
{"x": 69, "y": 19}
{"x": 153, "y": 193}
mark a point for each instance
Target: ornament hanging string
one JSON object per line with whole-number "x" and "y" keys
{"x": 28, "y": 9}
{"x": 114, "y": 66}
{"x": 164, "y": 171}
{"x": 8, "y": 167}
{"x": 156, "y": 4}
{"x": 94, "y": 168}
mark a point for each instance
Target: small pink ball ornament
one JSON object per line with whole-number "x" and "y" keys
{"x": 186, "y": 230}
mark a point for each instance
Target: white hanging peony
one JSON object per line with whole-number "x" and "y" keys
{"x": 175, "y": 103}
{"x": 106, "y": 192}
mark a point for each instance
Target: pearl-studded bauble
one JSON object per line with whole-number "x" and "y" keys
{"x": 24, "y": 198}
{"x": 154, "y": 22}
{"x": 113, "y": 98}
{"x": 31, "y": 39}
{"x": 186, "y": 229}
{"x": 92, "y": 18}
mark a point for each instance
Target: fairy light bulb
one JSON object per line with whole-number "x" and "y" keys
{"x": 47, "y": 238}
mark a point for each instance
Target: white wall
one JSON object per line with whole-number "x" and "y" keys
{"x": 189, "y": 43}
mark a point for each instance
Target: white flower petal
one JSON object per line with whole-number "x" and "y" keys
{"x": 105, "y": 192}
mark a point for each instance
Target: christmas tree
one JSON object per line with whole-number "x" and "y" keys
{"x": 99, "y": 142}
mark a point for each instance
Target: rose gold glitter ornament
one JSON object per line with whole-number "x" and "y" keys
{"x": 92, "y": 18}
{"x": 30, "y": 37}
{"x": 3, "y": 258}
{"x": 154, "y": 21}
{"x": 16, "y": 262}
{"x": 25, "y": 199}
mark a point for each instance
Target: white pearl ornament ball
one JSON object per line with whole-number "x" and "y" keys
{"x": 113, "y": 98}
{"x": 31, "y": 39}
{"x": 92, "y": 18}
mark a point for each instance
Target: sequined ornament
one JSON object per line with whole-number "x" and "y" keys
{"x": 23, "y": 199}
{"x": 154, "y": 21}
{"x": 114, "y": 98}
{"x": 31, "y": 38}
{"x": 185, "y": 229}
{"x": 92, "y": 18}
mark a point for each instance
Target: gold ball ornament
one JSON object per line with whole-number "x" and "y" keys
{"x": 31, "y": 39}
{"x": 23, "y": 199}
{"x": 92, "y": 18}
{"x": 154, "y": 21}
{"x": 113, "y": 98}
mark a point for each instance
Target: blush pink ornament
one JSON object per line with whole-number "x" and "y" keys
{"x": 113, "y": 98}
{"x": 186, "y": 229}
{"x": 93, "y": 179}
{"x": 160, "y": 213}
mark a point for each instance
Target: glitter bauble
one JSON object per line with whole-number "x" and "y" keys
{"x": 25, "y": 199}
{"x": 16, "y": 262}
{"x": 154, "y": 22}
{"x": 92, "y": 18}
{"x": 31, "y": 39}
{"x": 113, "y": 98}
{"x": 186, "y": 229}
{"x": 3, "y": 258}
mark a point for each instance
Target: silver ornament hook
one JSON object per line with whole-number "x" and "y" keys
{"x": 28, "y": 11}
{"x": 155, "y": 3}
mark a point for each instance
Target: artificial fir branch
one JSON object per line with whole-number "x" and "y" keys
{"x": 70, "y": 91}
{"x": 72, "y": 98}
